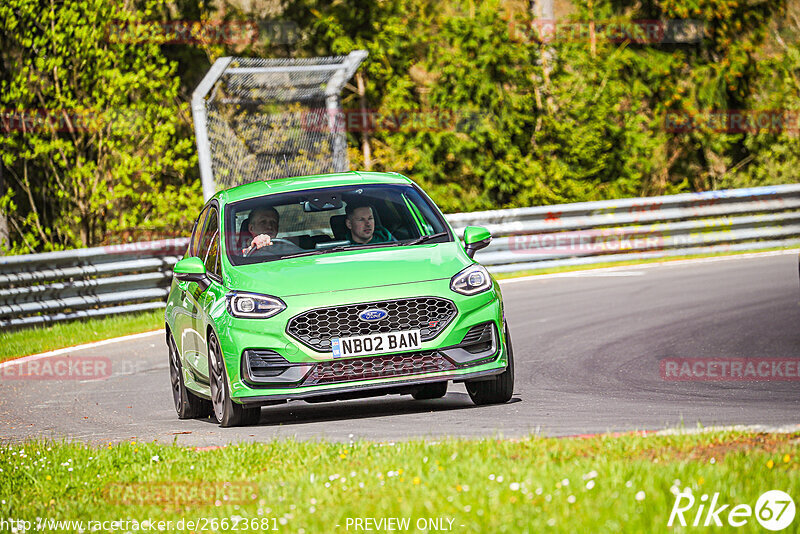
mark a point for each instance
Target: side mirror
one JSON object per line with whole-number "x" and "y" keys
{"x": 476, "y": 238}
{"x": 191, "y": 270}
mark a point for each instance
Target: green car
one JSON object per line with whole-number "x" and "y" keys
{"x": 331, "y": 287}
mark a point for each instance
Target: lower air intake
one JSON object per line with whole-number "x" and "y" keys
{"x": 407, "y": 364}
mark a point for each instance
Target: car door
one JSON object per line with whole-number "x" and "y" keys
{"x": 204, "y": 301}
{"x": 186, "y": 308}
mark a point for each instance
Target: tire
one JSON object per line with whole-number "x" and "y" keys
{"x": 187, "y": 404}
{"x": 498, "y": 390}
{"x": 436, "y": 390}
{"x": 225, "y": 411}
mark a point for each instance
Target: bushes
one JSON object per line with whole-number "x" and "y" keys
{"x": 483, "y": 115}
{"x": 98, "y": 141}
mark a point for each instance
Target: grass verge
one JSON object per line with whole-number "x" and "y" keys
{"x": 43, "y": 338}
{"x": 599, "y": 484}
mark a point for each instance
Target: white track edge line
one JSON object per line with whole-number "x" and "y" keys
{"x": 65, "y": 350}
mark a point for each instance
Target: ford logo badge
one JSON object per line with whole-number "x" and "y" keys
{"x": 373, "y": 314}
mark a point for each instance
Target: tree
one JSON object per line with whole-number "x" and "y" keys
{"x": 719, "y": 75}
{"x": 97, "y": 140}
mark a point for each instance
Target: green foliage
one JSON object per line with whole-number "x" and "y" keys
{"x": 112, "y": 148}
{"x": 481, "y": 95}
{"x": 540, "y": 122}
{"x": 603, "y": 483}
{"x": 466, "y": 98}
{"x": 727, "y": 72}
{"x": 773, "y": 157}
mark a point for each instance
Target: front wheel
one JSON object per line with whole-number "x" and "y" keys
{"x": 226, "y": 412}
{"x": 187, "y": 404}
{"x": 499, "y": 389}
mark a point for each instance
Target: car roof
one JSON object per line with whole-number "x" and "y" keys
{"x": 300, "y": 183}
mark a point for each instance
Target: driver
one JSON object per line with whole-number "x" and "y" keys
{"x": 263, "y": 227}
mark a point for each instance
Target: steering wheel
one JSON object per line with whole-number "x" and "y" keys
{"x": 252, "y": 249}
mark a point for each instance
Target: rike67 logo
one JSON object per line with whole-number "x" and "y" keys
{"x": 774, "y": 510}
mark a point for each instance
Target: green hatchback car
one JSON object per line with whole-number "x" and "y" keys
{"x": 331, "y": 287}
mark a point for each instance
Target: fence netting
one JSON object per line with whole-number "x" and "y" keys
{"x": 272, "y": 118}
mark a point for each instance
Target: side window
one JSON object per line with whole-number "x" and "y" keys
{"x": 194, "y": 245}
{"x": 212, "y": 258}
{"x": 209, "y": 243}
{"x": 422, "y": 216}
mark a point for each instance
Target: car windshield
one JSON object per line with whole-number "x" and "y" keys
{"x": 320, "y": 221}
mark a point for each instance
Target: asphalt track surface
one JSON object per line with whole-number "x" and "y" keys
{"x": 588, "y": 348}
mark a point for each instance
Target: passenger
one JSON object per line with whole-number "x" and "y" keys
{"x": 360, "y": 223}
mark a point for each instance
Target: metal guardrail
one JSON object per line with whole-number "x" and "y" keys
{"x": 638, "y": 228}
{"x": 40, "y": 288}
{"x": 91, "y": 282}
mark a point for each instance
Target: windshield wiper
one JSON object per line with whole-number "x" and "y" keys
{"x": 318, "y": 251}
{"x": 422, "y": 239}
{"x": 338, "y": 248}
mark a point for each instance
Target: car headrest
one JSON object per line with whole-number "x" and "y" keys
{"x": 243, "y": 237}
{"x": 338, "y": 227}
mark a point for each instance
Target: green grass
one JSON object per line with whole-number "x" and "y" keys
{"x": 570, "y": 268}
{"x": 40, "y": 339}
{"x": 599, "y": 484}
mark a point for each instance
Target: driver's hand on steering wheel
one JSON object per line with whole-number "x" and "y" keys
{"x": 259, "y": 241}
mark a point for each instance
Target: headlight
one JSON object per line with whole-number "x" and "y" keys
{"x": 253, "y": 305}
{"x": 474, "y": 279}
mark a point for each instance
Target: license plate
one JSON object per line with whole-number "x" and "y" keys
{"x": 376, "y": 343}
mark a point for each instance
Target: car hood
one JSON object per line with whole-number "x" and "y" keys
{"x": 356, "y": 269}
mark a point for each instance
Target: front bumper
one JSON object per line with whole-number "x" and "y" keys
{"x": 237, "y": 336}
{"x": 354, "y": 390}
